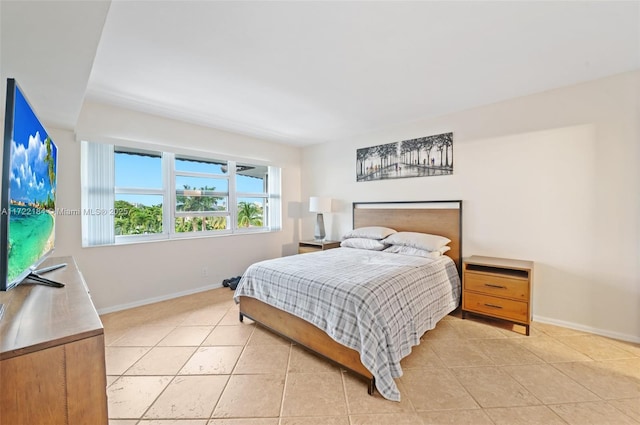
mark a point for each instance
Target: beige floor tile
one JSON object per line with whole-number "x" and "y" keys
{"x": 360, "y": 402}
{"x": 251, "y": 396}
{"x": 628, "y": 406}
{"x": 143, "y": 336}
{"x": 551, "y": 350}
{"x": 630, "y": 347}
{"x": 212, "y": 361}
{"x": 123, "y": 421}
{"x": 454, "y": 354}
{"x": 474, "y": 329}
{"x": 550, "y": 385}
{"x": 262, "y": 336}
{"x": 601, "y": 380}
{"x": 455, "y": 417}
{"x": 623, "y": 367}
{"x": 435, "y": 389}
{"x": 597, "y": 413}
{"x": 166, "y": 317}
{"x": 231, "y": 317}
{"x": 316, "y": 420}
{"x": 162, "y": 361}
{"x": 131, "y": 396}
{"x": 313, "y": 394}
{"x": 493, "y": 387}
{"x": 244, "y": 421}
{"x": 173, "y": 422}
{"x": 528, "y": 415}
{"x": 421, "y": 356}
{"x": 443, "y": 330}
{"x": 229, "y": 335}
{"x": 186, "y": 336}
{"x": 188, "y": 397}
{"x": 263, "y": 359}
{"x": 596, "y": 347}
{"x": 507, "y": 352}
{"x": 514, "y": 330}
{"x": 111, "y": 335}
{"x": 303, "y": 361}
{"x": 207, "y": 316}
{"x": 111, "y": 379}
{"x": 556, "y": 331}
{"x": 386, "y": 419}
{"x": 119, "y": 359}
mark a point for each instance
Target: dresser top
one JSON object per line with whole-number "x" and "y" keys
{"x": 38, "y": 317}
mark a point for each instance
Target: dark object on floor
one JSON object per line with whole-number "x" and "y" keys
{"x": 232, "y": 283}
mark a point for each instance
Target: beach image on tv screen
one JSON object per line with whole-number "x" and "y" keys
{"x": 32, "y": 185}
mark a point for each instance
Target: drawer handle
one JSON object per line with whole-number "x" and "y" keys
{"x": 491, "y": 285}
{"x": 493, "y": 305}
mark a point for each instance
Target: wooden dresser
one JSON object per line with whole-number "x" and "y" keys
{"x": 499, "y": 288}
{"x": 52, "y": 361}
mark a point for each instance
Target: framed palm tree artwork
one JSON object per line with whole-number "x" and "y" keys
{"x": 421, "y": 157}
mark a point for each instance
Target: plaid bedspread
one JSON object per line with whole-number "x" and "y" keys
{"x": 377, "y": 303}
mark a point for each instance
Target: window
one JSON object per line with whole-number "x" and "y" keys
{"x": 252, "y": 195}
{"x": 131, "y": 195}
{"x": 202, "y": 195}
{"x": 139, "y": 194}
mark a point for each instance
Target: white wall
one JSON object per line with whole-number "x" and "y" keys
{"x": 128, "y": 275}
{"x": 552, "y": 177}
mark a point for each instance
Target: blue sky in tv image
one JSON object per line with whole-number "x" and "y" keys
{"x": 31, "y": 180}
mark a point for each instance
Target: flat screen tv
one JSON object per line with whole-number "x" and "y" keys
{"x": 28, "y": 203}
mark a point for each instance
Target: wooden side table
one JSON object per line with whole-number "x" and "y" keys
{"x": 499, "y": 288}
{"x": 313, "y": 246}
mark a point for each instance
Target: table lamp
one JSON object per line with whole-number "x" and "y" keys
{"x": 319, "y": 205}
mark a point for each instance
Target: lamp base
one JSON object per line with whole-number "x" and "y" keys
{"x": 319, "y": 231}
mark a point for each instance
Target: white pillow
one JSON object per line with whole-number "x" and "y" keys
{"x": 417, "y": 240}
{"x": 407, "y": 250}
{"x": 371, "y": 232}
{"x": 363, "y": 243}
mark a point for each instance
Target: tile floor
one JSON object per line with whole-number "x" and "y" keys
{"x": 189, "y": 361}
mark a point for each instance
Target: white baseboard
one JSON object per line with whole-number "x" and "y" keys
{"x": 579, "y": 327}
{"x": 140, "y": 303}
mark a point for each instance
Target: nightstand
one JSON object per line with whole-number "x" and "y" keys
{"x": 498, "y": 287}
{"x": 312, "y": 246}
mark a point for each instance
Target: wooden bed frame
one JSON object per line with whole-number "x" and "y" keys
{"x": 436, "y": 217}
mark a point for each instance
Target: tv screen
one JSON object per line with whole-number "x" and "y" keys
{"x": 29, "y": 167}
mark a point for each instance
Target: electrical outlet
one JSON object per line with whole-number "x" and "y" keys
{"x": 204, "y": 272}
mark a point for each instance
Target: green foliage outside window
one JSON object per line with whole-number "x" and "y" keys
{"x": 137, "y": 219}
{"x": 249, "y": 214}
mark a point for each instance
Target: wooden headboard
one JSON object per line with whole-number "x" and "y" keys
{"x": 436, "y": 217}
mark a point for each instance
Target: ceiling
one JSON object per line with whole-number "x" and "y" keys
{"x": 305, "y": 72}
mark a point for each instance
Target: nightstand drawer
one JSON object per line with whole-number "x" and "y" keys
{"x": 497, "y": 285}
{"x": 497, "y": 307}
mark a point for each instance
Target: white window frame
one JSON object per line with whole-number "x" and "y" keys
{"x": 142, "y": 191}
{"x": 227, "y": 213}
{"x": 264, "y": 195}
{"x": 92, "y": 166}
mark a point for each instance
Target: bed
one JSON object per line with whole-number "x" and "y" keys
{"x": 361, "y": 309}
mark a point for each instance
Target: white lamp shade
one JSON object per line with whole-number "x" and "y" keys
{"x": 319, "y": 204}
